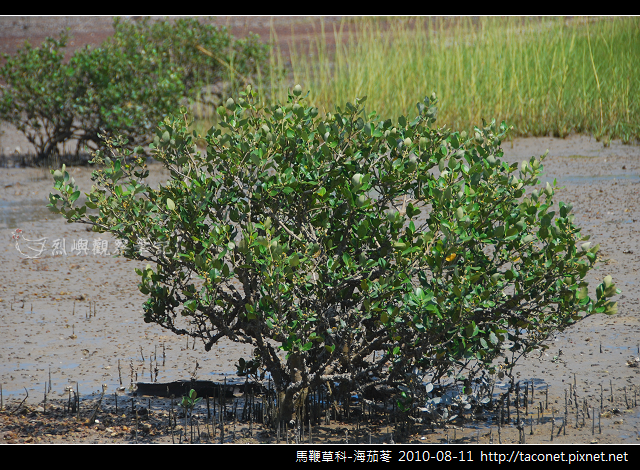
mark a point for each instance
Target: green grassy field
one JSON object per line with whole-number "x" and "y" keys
{"x": 549, "y": 76}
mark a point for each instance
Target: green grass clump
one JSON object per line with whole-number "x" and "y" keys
{"x": 543, "y": 76}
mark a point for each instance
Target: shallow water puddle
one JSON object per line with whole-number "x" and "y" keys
{"x": 72, "y": 361}
{"x": 12, "y": 214}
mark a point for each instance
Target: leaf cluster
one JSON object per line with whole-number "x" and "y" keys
{"x": 199, "y": 51}
{"x": 190, "y": 400}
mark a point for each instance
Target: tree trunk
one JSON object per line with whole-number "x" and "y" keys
{"x": 292, "y": 399}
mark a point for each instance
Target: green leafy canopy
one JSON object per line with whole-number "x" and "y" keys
{"x": 346, "y": 248}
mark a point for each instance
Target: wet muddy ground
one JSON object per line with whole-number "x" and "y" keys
{"x": 72, "y": 320}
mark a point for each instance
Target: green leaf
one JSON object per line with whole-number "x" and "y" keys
{"x": 171, "y": 205}
{"x": 583, "y": 293}
{"x": 493, "y": 338}
{"x": 611, "y": 308}
{"x": 363, "y": 230}
{"x": 471, "y": 330}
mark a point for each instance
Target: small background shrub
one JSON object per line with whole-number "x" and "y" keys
{"x": 123, "y": 87}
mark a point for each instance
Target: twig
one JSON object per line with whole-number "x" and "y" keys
{"x": 95, "y": 410}
{"x": 25, "y": 389}
{"x": 77, "y": 401}
{"x": 171, "y": 420}
{"x": 135, "y": 412}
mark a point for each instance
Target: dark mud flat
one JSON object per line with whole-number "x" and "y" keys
{"x": 242, "y": 420}
{"x": 204, "y": 388}
{"x": 73, "y": 320}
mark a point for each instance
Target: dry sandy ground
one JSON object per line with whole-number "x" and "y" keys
{"x": 75, "y": 320}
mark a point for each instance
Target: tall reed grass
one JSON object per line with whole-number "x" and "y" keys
{"x": 544, "y": 76}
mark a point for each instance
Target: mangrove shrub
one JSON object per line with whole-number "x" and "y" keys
{"x": 352, "y": 252}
